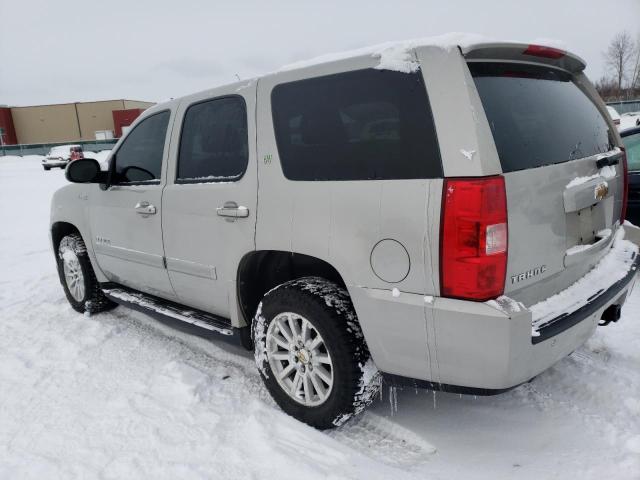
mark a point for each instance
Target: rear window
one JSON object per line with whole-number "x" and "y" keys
{"x": 538, "y": 115}
{"x": 361, "y": 125}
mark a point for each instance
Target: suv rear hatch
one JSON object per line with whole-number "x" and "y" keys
{"x": 563, "y": 171}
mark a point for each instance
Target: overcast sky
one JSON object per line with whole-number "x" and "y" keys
{"x": 80, "y": 50}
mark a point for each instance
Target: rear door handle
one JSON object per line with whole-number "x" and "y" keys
{"x": 145, "y": 208}
{"x": 233, "y": 210}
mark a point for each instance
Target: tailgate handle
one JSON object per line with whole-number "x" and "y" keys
{"x": 609, "y": 161}
{"x": 583, "y": 195}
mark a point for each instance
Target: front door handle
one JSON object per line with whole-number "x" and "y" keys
{"x": 145, "y": 208}
{"x": 233, "y": 210}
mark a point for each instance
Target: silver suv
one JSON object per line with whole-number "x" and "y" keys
{"x": 440, "y": 216}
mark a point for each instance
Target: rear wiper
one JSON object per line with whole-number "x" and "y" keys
{"x": 609, "y": 161}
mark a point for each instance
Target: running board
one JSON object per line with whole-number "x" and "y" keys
{"x": 165, "y": 309}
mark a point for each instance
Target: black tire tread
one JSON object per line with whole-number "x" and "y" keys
{"x": 343, "y": 330}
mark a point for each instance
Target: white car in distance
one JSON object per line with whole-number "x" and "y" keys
{"x": 60, "y": 156}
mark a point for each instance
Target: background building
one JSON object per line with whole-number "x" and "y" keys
{"x": 68, "y": 122}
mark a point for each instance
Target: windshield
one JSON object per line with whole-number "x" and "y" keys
{"x": 632, "y": 145}
{"x": 538, "y": 115}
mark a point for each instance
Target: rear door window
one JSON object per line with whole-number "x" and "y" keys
{"x": 362, "y": 125}
{"x": 214, "y": 142}
{"x": 538, "y": 115}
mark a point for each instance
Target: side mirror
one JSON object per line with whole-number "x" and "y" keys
{"x": 85, "y": 170}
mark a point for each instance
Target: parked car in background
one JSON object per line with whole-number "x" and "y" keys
{"x": 615, "y": 116}
{"x": 59, "y": 156}
{"x": 629, "y": 120}
{"x": 76, "y": 153}
{"x": 631, "y": 140}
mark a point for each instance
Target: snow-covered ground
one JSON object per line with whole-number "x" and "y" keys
{"x": 629, "y": 120}
{"x": 118, "y": 395}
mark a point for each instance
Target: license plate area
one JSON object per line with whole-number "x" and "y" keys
{"x": 587, "y": 225}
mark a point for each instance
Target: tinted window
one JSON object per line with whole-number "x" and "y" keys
{"x": 214, "y": 144}
{"x": 538, "y": 115}
{"x": 362, "y": 125}
{"x": 139, "y": 158}
{"x": 632, "y": 145}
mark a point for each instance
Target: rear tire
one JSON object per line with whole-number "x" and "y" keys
{"x": 322, "y": 374}
{"x": 77, "y": 277}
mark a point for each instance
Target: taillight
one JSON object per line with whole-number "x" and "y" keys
{"x": 625, "y": 190}
{"x": 473, "y": 238}
{"x": 545, "y": 52}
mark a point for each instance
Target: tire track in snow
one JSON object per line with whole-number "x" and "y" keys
{"x": 370, "y": 434}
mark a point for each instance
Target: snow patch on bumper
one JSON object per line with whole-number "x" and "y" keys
{"x": 614, "y": 266}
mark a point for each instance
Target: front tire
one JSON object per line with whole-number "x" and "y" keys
{"x": 77, "y": 277}
{"x": 311, "y": 353}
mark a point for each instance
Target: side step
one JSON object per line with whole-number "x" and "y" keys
{"x": 165, "y": 309}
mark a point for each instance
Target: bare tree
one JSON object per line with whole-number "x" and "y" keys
{"x": 635, "y": 73}
{"x": 619, "y": 55}
{"x": 606, "y": 87}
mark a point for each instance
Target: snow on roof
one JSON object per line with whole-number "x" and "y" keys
{"x": 396, "y": 55}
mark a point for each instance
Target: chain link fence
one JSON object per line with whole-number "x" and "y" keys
{"x": 625, "y": 106}
{"x": 43, "y": 148}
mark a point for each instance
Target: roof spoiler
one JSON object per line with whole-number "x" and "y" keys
{"x": 523, "y": 52}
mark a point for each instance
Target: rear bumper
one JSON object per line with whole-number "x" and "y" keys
{"x": 597, "y": 303}
{"x": 463, "y": 346}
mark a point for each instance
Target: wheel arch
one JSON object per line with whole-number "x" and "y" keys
{"x": 260, "y": 271}
{"x": 61, "y": 229}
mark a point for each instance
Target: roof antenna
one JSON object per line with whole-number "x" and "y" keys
{"x": 237, "y": 76}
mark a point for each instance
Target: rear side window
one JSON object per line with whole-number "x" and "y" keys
{"x": 214, "y": 142}
{"x": 361, "y": 125}
{"x": 538, "y": 115}
{"x": 139, "y": 158}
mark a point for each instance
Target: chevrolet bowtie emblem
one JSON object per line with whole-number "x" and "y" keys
{"x": 601, "y": 191}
